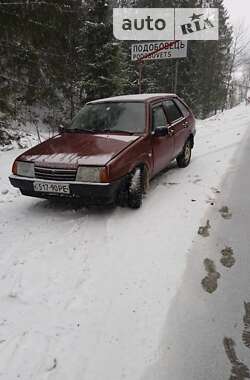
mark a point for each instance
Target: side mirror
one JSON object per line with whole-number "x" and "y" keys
{"x": 160, "y": 131}
{"x": 60, "y": 128}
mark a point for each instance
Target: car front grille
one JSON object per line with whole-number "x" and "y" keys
{"x": 55, "y": 174}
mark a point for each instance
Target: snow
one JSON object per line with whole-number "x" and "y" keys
{"x": 127, "y": 98}
{"x": 25, "y": 134}
{"x": 85, "y": 294}
{"x": 136, "y": 180}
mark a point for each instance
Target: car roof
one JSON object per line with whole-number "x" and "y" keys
{"x": 134, "y": 98}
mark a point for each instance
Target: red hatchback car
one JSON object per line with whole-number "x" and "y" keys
{"x": 111, "y": 150}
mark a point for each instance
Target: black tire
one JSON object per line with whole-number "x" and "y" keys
{"x": 136, "y": 189}
{"x": 183, "y": 160}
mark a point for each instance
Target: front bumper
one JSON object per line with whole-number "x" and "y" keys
{"x": 90, "y": 193}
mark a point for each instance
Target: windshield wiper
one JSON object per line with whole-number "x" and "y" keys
{"x": 107, "y": 130}
{"x": 79, "y": 130}
{"x": 117, "y": 131}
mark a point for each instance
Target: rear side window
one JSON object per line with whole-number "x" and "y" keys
{"x": 182, "y": 107}
{"x": 173, "y": 112}
{"x": 159, "y": 118}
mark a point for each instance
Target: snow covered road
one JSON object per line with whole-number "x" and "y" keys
{"x": 90, "y": 294}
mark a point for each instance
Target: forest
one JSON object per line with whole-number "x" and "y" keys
{"x": 59, "y": 54}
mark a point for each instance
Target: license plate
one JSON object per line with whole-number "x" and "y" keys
{"x": 57, "y": 188}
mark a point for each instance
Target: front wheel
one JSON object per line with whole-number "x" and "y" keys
{"x": 183, "y": 160}
{"x": 136, "y": 189}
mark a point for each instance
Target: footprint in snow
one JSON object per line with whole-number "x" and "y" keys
{"x": 246, "y": 320}
{"x": 172, "y": 183}
{"x": 204, "y": 230}
{"x": 225, "y": 212}
{"x": 54, "y": 365}
{"x": 215, "y": 190}
{"x": 210, "y": 201}
{"x": 210, "y": 282}
{"x": 227, "y": 259}
{"x": 239, "y": 370}
{"x": 197, "y": 180}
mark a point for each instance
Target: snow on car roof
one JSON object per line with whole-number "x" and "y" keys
{"x": 127, "y": 98}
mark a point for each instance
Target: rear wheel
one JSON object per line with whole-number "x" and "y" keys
{"x": 183, "y": 160}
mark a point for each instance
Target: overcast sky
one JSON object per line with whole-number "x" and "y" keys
{"x": 239, "y": 11}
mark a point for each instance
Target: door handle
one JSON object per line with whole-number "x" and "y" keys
{"x": 171, "y": 131}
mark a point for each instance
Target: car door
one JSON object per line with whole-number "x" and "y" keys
{"x": 162, "y": 146}
{"x": 178, "y": 124}
{"x": 187, "y": 114}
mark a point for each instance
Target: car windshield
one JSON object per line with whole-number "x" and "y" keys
{"x": 124, "y": 117}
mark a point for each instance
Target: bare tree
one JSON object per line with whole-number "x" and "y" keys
{"x": 240, "y": 54}
{"x": 246, "y": 81}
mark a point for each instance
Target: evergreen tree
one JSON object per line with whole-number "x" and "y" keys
{"x": 202, "y": 75}
{"x": 59, "y": 52}
{"x": 38, "y": 55}
{"x": 101, "y": 64}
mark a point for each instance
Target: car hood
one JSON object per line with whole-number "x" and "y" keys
{"x": 73, "y": 149}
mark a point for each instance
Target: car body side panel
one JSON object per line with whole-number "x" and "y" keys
{"x": 163, "y": 151}
{"x": 182, "y": 130}
{"x": 140, "y": 152}
{"x": 162, "y": 147}
{"x": 188, "y": 129}
{"x": 179, "y": 136}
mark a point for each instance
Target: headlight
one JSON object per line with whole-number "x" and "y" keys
{"x": 25, "y": 169}
{"x": 90, "y": 174}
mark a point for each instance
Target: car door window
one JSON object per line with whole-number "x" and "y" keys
{"x": 158, "y": 118}
{"x": 173, "y": 112}
{"x": 182, "y": 107}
